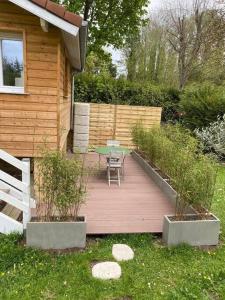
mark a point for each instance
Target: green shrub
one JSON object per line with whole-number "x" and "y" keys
{"x": 202, "y": 104}
{"x": 104, "y": 89}
{"x": 61, "y": 184}
{"x": 176, "y": 153}
{"x": 213, "y": 137}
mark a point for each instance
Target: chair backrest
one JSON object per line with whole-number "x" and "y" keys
{"x": 116, "y": 154}
{"x": 113, "y": 143}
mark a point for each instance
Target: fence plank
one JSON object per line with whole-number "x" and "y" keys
{"x": 109, "y": 121}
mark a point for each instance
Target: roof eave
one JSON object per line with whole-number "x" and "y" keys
{"x": 47, "y": 16}
{"x": 75, "y": 38}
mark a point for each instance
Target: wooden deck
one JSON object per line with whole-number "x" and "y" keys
{"x": 136, "y": 206}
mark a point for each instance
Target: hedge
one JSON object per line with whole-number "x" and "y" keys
{"x": 176, "y": 153}
{"x": 100, "y": 89}
{"x": 202, "y": 105}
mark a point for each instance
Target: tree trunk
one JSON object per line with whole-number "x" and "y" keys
{"x": 87, "y": 8}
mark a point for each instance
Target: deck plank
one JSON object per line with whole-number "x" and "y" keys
{"x": 138, "y": 205}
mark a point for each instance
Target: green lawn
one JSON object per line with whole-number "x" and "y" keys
{"x": 155, "y": 273}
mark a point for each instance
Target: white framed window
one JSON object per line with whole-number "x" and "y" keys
{"x": 11, "y": 63}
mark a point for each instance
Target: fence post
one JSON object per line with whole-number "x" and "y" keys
{"x": 114, "y": 122}
{"x": 26, "y": 195}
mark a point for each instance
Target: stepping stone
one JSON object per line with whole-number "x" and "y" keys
{"x": 106, "y": 270}
{"x": 122, "y": 252}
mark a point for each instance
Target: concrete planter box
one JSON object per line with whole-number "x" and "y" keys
{"x": 56, "y": 235}
{"x": 195, "y": 233}
{"x": 159, "y": 181}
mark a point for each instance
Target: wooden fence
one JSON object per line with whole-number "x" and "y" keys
{"x": 115, "y": 122}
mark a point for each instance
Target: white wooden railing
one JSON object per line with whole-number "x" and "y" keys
{"x": 19, "y": 190}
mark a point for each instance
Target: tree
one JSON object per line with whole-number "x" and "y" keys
{"x": 111, "y": 22}
{"x": 11, "y": 70}
{"x": 149, "y": 57}
{"x": 191, "y": 33}
{"x": 100, "y": 64}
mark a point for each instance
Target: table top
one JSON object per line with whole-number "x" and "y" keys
{"x": 107, "y": 149}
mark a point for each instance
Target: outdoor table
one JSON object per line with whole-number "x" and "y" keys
{"x": 105, "y": 150}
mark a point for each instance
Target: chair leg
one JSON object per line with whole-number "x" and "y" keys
{"x": 108, "y": 175}
{"x": 122, "y": 170}
{"x": 118, "y": 175}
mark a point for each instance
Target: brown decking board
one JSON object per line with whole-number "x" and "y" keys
{"x": 136, "y": 206}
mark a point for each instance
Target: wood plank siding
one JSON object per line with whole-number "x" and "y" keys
{"x": 65, "y": 89}
{"x": 41, "y": 116}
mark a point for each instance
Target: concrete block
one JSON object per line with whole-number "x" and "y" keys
{"x": 106, "y": 270}
{"x": 80, "y": 149}
{"x": 78, "y": 143}
{"x": 122, "y": 252}
{"x": 82, "y": 109}
{"x": 81, "y": 120}
{"x": 81, "y": 136}
{"x": 81, "y": 129}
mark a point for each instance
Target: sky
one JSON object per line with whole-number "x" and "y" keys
{"x": 155, "y": 4}
{"x": 116, "y": 54}
{"x": 12, "y": 50}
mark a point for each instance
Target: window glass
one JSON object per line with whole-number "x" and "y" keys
{"x": 12, "y": 62}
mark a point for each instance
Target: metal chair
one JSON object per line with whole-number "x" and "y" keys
{"x": 115, "y": 162}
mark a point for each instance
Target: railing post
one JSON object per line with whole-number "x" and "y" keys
{"x": 26, "y": 195}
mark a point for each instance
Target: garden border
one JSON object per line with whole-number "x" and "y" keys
{"x": 196, "y": 232}
{"x": 161, "y": 183}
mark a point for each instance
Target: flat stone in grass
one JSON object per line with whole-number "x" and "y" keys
{"x": 106, "y": 270}
{"x": 122, "y": 252}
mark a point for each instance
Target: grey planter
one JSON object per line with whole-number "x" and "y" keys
{"x": 164, "y": 186}
{"x": 195, "y": 233}
{"x": 56, "y": 235}
{"x": 159, "y": 181}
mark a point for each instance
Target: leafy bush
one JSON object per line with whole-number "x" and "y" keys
{"x": 213, "y": 137}
{"x": 62, "y": 186}
{"x": 104, "y": 89}
{"x": 192, "y": 174}
{"x": 202, "y": 104}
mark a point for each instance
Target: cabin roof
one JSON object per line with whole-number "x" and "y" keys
{"x": 73, "y": 27}
{"x": 60, "y": 11}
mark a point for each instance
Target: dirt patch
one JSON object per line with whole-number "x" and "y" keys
{"x": 191, "y": 218}
{"x": 164, "y": 176}
{"x": 89, "y": 242}
{"x": 57, "y": 219}
{"x": 22, "y": 243}
{"x": 95, "y": 262}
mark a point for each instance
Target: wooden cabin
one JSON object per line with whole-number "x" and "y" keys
{"x": 42, "y": 47}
